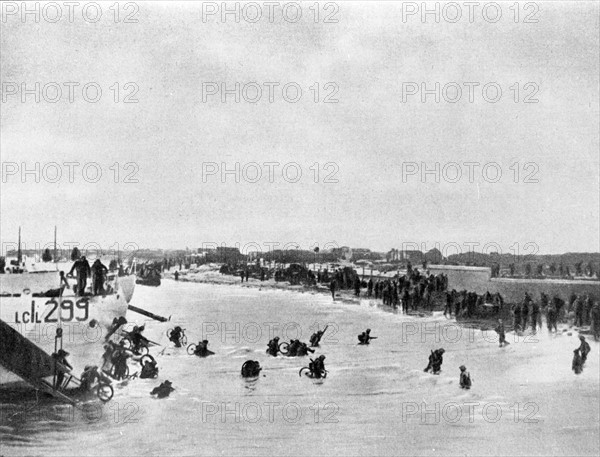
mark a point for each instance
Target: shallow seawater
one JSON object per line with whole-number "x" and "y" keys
{"x": 376, "y": 399}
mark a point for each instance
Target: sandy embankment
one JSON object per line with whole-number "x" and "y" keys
{"x": 209, "y": 274}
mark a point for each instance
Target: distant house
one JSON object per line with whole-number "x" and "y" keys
{"x": 399, "y": 255}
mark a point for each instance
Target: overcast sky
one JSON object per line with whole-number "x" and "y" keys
{"x": 171, "y": 135}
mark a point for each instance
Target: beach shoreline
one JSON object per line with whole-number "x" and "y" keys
{"x": 346, "y": 296}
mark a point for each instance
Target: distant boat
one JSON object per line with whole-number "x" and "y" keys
{"x": 152, "y": 281}
{"x": 148, "y": 276}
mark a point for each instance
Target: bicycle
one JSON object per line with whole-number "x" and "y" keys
{"x": 312, "y": 374}
{"x": 284, "y": 348}
{"x": 140, "y": 349}
{"x": 104, "y": 391}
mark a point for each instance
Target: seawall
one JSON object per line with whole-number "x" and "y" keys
{"x": 479, "y": 279}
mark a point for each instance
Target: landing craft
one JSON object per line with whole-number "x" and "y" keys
{"x": 31, "y": 304}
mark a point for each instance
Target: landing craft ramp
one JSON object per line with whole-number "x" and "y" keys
{"x": 29, "y": 362}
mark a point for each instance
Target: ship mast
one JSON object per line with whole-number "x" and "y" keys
{"x": 19, "y": 255}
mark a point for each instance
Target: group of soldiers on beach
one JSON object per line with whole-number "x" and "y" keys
{"x": 416, "y": 291}
{"x": 411, "y": 291}
{"x": 580, "y": 311}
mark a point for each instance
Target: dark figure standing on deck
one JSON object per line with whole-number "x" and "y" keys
{"x": 584, "y": 349}
{"x": 370, "y": 288}
{"x": 61, "y": 357}
{"x": 82, "y": 267}
{"x": 64, "y": 284}
{"x": 465, "y": 378}
{"x": 99, "y": 272}
{"x": 176, "y": 274}
{"x": 356, "y": 286}
{"x": 332, "y": 288}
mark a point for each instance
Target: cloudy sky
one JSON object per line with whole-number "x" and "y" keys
{"x": 179, "y": 136}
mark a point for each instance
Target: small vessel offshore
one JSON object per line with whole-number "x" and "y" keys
{"x": 148, "y": 275}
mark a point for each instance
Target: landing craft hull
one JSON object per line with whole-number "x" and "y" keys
{"x": 85, "y": 321}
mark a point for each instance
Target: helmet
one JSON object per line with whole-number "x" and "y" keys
{"x": 322, "y": 357}
{"x": 462, "y": 368}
